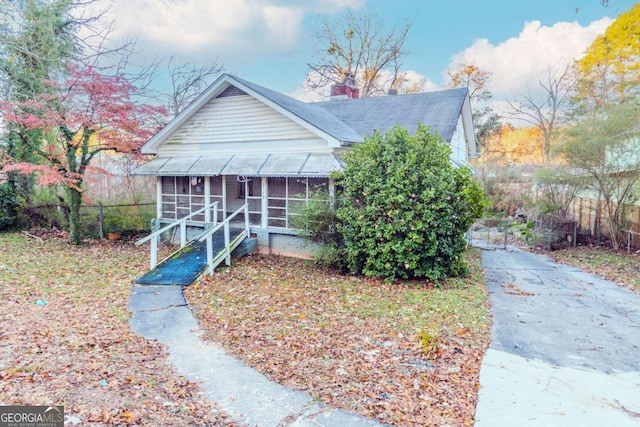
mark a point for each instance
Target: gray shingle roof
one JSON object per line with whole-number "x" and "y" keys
{"x": 349, "y": 120}
{"x": 440, "y": 110}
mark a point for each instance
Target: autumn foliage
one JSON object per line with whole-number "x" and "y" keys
{"x": 67, "y": 126}
{"x": 511, "y": 145}
{"x": 87, "y": 114}
{"x": 610, "y": 69}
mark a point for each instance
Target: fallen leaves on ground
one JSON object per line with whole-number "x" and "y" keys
{"x": 620, "y": 266}
{"x": 407, "y": 354}
{"x": 65, "y": 338}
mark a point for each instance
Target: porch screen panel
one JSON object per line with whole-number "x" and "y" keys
{"x": 253, "y": 196}
{"x": 277, "y": 203}
{"x": 168, "y": 197}
{"x": 182, "y": 195}
{"x": 197, "y": 196}
{"x": 296, "y": 197}
{"x": 287, "y": 195}
{"x": 183, "y": 201}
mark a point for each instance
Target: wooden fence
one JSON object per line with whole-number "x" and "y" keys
{"x": 590, "y": 218}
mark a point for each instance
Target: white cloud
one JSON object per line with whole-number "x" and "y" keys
{"x": 520, "y": 61}
{"x": 235, "y": 30}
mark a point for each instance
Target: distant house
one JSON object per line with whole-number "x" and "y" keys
{"x": 239, "y": 143}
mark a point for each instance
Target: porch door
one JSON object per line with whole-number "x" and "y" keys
{"x": 241, "y": 190}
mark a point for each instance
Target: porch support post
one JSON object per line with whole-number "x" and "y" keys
{"x": 227, "y": 242}
{"x": 246, "y": 219}
{"x": 183, "y": 234}
{"x": 210, "y": 253}
{"x": 264, "y": 216}
{"x": 332, "y": 192}
{"x": 154, "y": 252}
{"x": 224, "y": 196}
{"x": 207, "y": 199}
{"x": 158, "y": 197}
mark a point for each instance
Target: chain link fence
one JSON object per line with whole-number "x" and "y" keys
{"x": 97, "y": 221}
{"x": 550, "y": 234}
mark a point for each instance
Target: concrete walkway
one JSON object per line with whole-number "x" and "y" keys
{"x": 565, "y": 346}
{"x": 162, "y": 313}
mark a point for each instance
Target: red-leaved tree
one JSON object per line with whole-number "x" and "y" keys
{"x": 83, "y": 116}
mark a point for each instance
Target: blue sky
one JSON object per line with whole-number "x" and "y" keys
{"x": 270, "y": 41}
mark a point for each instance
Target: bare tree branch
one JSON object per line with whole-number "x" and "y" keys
{"x": 188, "y": 80}
{"x": 542, "y": 111}
{"x": 358, "y": 45}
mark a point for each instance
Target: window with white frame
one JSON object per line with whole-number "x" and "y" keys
{"x": 287, "y": 195}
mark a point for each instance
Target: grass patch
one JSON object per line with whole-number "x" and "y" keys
{"x": 65, "y": 339}
{"x": 406, "y": 353}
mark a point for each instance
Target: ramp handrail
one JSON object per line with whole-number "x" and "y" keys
{"x": 182, "y": 222}
{"x": 228, "y": 244}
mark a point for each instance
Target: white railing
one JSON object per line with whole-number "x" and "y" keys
{"x": 229, "y": 245}
{"x": 182, "y": 223}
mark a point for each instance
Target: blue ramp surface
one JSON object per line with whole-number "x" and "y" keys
{"x": 185, "y": 266}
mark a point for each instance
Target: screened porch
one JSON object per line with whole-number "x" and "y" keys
{"x": 273, "y": 201}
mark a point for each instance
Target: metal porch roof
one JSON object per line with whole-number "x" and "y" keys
{"x": 277, "y": 164}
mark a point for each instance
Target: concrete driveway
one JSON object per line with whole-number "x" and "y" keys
{"x": 565, "y": 346}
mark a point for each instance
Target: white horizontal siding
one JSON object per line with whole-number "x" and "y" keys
{"x": 238, "y": 119}
{"x": 459, "y": 143}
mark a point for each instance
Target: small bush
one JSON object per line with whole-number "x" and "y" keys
{"x": 132, "y": 218}
{"x": 429, "y": 341}
{"x": 318, "y": 219}
{"x": 10, "y": 205}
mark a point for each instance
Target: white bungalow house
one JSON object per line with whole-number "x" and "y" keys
{"x": 239, "y": 143}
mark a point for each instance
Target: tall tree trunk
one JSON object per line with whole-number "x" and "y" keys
{"x": 614, "y": 223}
{"x": 75, "y": 202}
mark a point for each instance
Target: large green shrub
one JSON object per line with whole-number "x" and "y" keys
{"x": 404, "y": 210}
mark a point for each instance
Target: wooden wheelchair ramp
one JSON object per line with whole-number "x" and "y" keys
{"x": 186, "y": 265}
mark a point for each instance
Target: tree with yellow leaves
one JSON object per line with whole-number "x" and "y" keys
{"x": 510, "y": 146}
{"x": 609, "y": 72}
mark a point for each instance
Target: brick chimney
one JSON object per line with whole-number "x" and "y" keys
{"x": 345, "y": 90}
